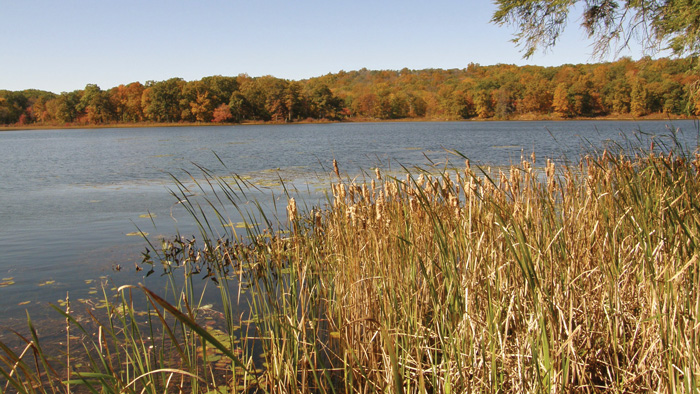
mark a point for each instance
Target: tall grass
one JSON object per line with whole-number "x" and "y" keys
{"x": 534, "y": 278}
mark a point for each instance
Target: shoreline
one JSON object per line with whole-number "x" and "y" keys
{"x": 519, "y": 118}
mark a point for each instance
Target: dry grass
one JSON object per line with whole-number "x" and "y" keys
{"x": 531, "y": 280}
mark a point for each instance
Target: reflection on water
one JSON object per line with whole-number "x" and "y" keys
{"x": 71, "y": 200}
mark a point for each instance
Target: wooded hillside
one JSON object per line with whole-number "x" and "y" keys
{"x": 624, "y": 87}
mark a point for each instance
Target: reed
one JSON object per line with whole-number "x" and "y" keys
{"x": 534, "y": 278}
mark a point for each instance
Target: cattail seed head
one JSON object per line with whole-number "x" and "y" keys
{"x": 335, "y": 168}
{"x": 365, "y": 192}
{"x": 292, "y": 209}
{"x": 317, "y": 220}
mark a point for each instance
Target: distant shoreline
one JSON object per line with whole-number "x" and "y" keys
{"x": 519, "y": 118}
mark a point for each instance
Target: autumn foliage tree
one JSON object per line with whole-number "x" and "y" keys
{"x": 623, "y": 88}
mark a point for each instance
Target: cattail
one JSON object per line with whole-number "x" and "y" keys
{"x": 549, "y": 171}
{"x": 336, "y": 194}
{"x": 317, "y": 219}
{"x": 365, "y": 192}
{"x": 454, "y": 203}
{"x": 351, "y": 214}
{"x": 292, "y": 209}
{"x": 335, "y": 168}
{"x": 392, "y": 190}
{"x": 503, "y": 181}
{"x": 341, "y": 192}
{"x": 351, "y": 194}
{"x": 413, "y": 203}
{"x": 378, "y": 174}
{"x": 514, "y": 179}
{"x": 379, "y": 206}
{"x": 452, "y": 200}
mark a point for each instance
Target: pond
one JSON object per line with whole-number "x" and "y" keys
{"x": 72, "y": 202}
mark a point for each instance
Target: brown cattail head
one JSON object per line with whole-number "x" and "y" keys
{"x": 317, "y": 219}
{"x": 335, "y": 168}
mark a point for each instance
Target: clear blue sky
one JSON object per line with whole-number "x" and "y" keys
{"x": 64, "y": 45}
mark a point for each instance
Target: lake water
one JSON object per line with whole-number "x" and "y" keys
{"x": 68, "y": 198}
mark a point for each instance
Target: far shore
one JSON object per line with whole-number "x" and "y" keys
{"x": 523, "y": 117}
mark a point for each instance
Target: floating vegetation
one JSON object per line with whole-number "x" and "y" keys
{"x": 24, "y": 303}
{"x": 164, "y": 155}
{"x": 94, "y": 201}
{"x": 7, "y": 282}
{"x": 48, "y": 282}
{"x": 507, "y": 147}
{"x": 241, "y": 225}
{"x": 148, "y": 216}
{"x": 137, "y": 233}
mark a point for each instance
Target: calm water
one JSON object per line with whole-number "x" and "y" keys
{"x": 68, "y": 198}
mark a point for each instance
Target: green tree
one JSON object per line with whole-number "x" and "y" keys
{"x": 220, "y": 89}
{"x": 66, "y": 109}
{"x": 12, "y": 106}
{"x": 95, "y": 105}
{"x": 161, "y": 100}
{"x": 673, "y": 24}
{"x": 239, "y": 107}
{"x": 322, "y": 102}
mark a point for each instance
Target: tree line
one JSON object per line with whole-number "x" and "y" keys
{"x": 623, "y": 87}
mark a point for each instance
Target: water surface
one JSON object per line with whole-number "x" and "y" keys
{"x": 68, "y": 198}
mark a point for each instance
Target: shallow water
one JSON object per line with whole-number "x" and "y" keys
{"x": 68, "y": 198}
